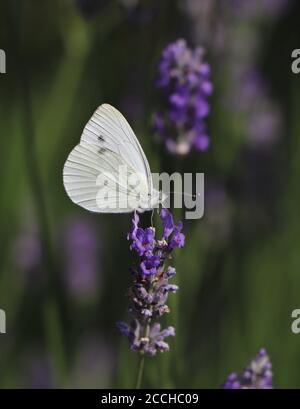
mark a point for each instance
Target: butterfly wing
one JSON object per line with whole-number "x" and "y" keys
{"x": 109, "y": 128}
{"x": 108, "y": 171}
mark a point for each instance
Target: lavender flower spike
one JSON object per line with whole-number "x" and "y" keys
{"x": 258, "y": 375}
{"x": 150, "y": 289}
{"x": 184, "y": 85}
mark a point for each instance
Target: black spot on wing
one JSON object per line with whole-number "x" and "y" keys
{"x": 101, "y": 151}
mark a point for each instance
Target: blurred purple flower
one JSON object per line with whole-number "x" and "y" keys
{"x": 149, "y": 293}
{"x": 267, "y": 8}
{"x": 245, "y": 92}
{"x": 131, "y": 105}
{"x": 139, "y": 12}
{"x": 184, "y": 85}
{"x": 37, "y": 371}
{"x": 27, "y": 249}
{"x": 217, "y": 221}
{"x": 258, "y": 375}
{"x": 89, "y": 8}
{"x": 262, "y": 117}
{"x": 135, "y": 11}
{"x": 81, "y": 247}
{"x": 93, "y": 363}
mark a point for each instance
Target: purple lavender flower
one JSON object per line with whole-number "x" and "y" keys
{"x": 184, "y": 84}
{"x": 149, "y": 293}
{"x": 258, "y": 375}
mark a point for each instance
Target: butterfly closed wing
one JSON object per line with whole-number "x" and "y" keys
{"x": 108, "y": 172}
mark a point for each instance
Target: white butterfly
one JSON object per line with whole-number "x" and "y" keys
{"x": 108, "y": 171}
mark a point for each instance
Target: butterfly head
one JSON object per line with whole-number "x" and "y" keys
{"x": 152, "y": 200}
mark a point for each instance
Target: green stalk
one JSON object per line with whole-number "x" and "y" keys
{"x": 140, "y": 371}
{"x": 51, "y": 288}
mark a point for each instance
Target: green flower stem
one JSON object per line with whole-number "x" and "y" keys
{"x": 140, "y": 371}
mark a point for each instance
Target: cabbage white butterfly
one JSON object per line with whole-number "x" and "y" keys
{"x": 108, "y": 172}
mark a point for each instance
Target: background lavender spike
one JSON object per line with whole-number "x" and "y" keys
{"x": 81, "y": 249}
{"x": 184, "y": 85}
{"x": 257, "y": 375}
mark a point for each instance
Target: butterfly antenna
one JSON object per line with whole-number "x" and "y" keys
{"x": 194, "y": 195}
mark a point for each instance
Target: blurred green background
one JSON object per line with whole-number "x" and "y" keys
{"x": 64, "y": 272}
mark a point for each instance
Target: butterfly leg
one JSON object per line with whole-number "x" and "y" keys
{"x": 152, "y": 214}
